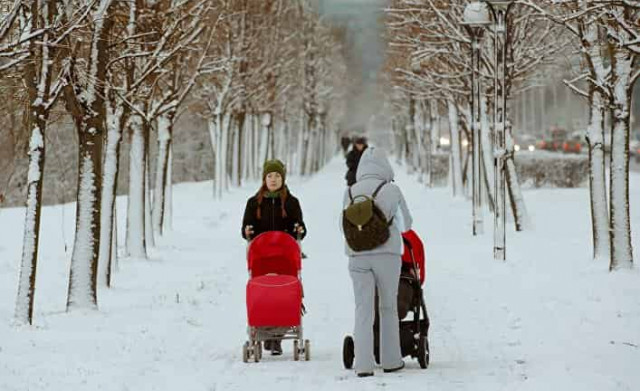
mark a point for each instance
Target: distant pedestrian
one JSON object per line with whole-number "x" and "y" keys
{"x": 353, "y": 158}
{"x": 345, "y": 141}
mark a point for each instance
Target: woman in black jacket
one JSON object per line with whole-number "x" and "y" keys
{"x": 273, "y": 208}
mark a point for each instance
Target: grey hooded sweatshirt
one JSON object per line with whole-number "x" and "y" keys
{"x": 373, "y": 169}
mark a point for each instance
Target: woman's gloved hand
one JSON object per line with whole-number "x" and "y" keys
{"x": 299, "y": 230}
{"x": 248, "y": 231}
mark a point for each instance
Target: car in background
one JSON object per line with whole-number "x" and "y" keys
{"x": 524, "y": 142}
{"x": 554, "y": 140}
{"x": 575, "y": 143}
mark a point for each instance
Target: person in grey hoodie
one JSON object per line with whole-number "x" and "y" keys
{"x": 378, "y": 268}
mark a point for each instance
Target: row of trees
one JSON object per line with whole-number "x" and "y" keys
{"x": 430, "y": 61}
{"x": 429, "y": 71}
{"x": 266, "y": 75}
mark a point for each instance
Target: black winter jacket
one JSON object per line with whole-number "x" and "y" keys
{"x": 271, "y": 216}
{"x": 353, "y": 159}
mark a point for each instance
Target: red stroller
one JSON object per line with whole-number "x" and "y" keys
{"x": 274, "y": 295}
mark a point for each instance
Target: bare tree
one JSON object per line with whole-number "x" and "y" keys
{"x": 85, "y": 99}
{"x": 606, "y": 36}
{"x": 32, "y": 31}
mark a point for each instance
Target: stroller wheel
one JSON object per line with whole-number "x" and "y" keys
{"x": 257, "y": 352}
{"x": 296, "y": 350}
{"x": 423, "y": 352}
{"x": 307, "y": 350}
{"x": 348, "y": 352}
{"x": 245, "y": 352}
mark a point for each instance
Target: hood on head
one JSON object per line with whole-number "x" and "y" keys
{"x": 374, "y": 164}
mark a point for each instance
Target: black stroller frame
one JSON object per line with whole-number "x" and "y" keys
{"x": 415, "y": 331}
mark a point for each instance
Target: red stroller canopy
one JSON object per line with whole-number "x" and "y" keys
{"x": 417, "y": 248}
{"x": 274, "y": 252}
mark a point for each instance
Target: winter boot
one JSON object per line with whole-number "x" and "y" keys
{"x": 394, "y": 369}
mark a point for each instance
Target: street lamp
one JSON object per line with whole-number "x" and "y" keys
{"x": 475, "y": 19}
{"x": 499, "y": 9}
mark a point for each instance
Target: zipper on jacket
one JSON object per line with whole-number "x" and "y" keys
{"x": 273, "y": 214}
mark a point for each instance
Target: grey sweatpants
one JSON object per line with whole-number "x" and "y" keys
{"x": 367, "y": 273}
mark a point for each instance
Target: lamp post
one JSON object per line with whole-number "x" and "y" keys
{"x": 499, "y": 9}
{"x": 476, "y": 18}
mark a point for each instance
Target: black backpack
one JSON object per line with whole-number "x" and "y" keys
{"x": 364, "y": 225}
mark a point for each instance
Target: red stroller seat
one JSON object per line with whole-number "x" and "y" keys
{"x": 274, "y": 293}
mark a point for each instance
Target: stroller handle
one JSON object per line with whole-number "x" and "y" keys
{"x": 407, "y": 243}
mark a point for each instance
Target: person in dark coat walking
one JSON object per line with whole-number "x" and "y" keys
{"x": 273, "y": 208}
{"x": 345, "y": 141}
{"x": 353, "y": 158}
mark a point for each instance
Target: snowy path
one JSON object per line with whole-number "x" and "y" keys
{"x": 548, "y": 318}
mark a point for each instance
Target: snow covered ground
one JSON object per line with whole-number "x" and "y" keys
{"x": 548, "y": 318}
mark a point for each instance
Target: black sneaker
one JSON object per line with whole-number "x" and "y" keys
{"x": 276, "y": 348}
{"x": 365, "y": 374}
{"x": 394, "y": 369}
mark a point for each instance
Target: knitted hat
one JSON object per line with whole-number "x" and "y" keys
{"x": 360, "y": 140}
{"x": 274, "y": 166}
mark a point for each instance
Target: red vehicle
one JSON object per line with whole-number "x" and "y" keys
{"x": 555, "y": 140}
{"x": 274, "y": 294}
{"x": 572, "y": 145}
{"x": 559, "y": 141}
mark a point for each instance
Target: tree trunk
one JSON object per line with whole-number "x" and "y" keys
{"x": 226, "y": 122}
{"x": 113, "y": 263}
{"x": 136, "y": 243}
{"x": 434, "y": 135}
{"x": 417, "y": 136}
{"x": 597, "y": 179}
{"x": 165, "y": 130}
{"x": 38, "y": 82}
{"x": 83, "y": 276}
{"x": 109, "y": 184}
{"x": 148, "y": 228}
{"x": 167, "y": 221}
{"x": 235, "y": 152}
{"x": 29, "y": 260}
{"x": 264, "y": 139}
{"x": 240, "y": 146}
{"x": 455, "y": 148}
{"x": 518, "y": 207}
{"x": 486, "y": 150}
{"x": 300, "y": 150}
{"x": 214, "y": 136}
{"x": 621, "y": 250}
{"x": 84, "y": 260}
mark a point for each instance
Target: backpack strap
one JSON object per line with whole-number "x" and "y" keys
{"x": 375, "y": 193}
{"x": 350, "y": 195}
